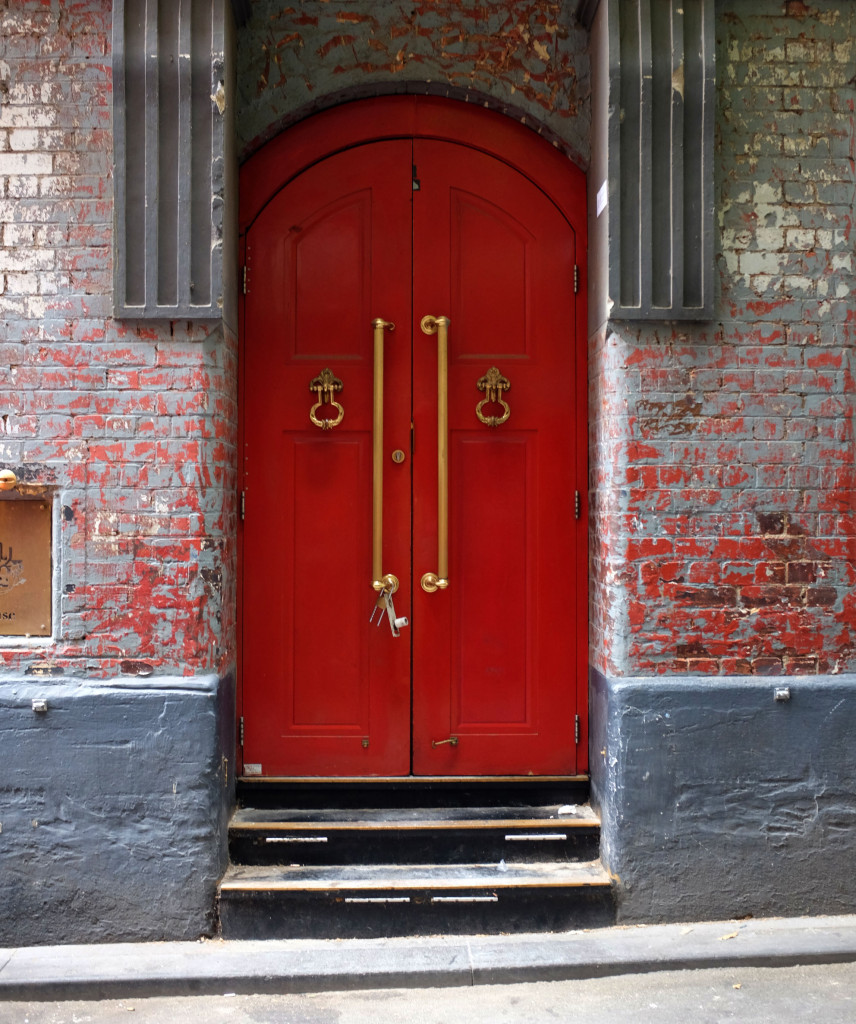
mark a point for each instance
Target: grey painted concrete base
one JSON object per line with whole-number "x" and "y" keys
{"x": 114, "y": 807}
{"x": 718, "y": 800}
{"x": 158, "y": 969}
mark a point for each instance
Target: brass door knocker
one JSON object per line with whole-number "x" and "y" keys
{"x": 493, "y": 383}
{"x": 325, "y": 385}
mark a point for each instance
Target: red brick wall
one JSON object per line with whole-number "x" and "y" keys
{"x": 130, "y": 425}
{"x": 724, "y": 488}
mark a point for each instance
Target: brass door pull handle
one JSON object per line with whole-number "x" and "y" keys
{"x": 493, "y": 384}
{"x": 325, "y": 385}
{"x": 380, "y": 582}
{"x": 439, "y": 580}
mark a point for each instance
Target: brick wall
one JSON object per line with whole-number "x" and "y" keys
{"x": 722, "y": 455}
{"x": 131, "y": 426}
{"x": 724, "y": 491}
{"x": 525, "y": 57}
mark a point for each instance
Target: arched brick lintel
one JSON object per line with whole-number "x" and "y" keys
{"x": 373, "y": 90}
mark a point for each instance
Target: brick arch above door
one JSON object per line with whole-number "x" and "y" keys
{"x": 527, "y": 57}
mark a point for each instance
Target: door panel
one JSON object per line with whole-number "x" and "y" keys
{"x": 484, "y": 680}
{"x": 490, "y": 302}
{"x": 324, "y": 526}
{"x": 336, "y": 240}
{"x": 493, "y": 547}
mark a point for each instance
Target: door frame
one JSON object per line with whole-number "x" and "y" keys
{"x": 360, "y": 122}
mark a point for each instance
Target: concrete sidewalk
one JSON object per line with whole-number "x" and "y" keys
{"x": 215, "y": 967}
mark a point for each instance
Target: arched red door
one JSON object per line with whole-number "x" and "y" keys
{"x": 419, "y": 211}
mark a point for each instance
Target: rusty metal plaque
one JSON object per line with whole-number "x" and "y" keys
{"x": 25, "y": 568}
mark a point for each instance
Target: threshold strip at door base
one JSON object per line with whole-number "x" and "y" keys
{"x": 366, "y": 780}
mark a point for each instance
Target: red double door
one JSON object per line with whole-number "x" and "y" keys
{"x": 485, "y": 679}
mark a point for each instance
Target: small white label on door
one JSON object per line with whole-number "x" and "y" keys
{"x": 252, "y": 769}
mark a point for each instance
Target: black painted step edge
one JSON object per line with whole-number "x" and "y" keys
{"x": 449, "y": 846}
{"x": 325, "y": 914}
{"x": 412, "y": 791}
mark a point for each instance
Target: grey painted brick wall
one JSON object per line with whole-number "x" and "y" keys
{"x": 719, "y": 801}
{"x": 113, "y": 808}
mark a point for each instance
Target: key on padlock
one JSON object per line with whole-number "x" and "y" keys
{"x": 379, "y": 607}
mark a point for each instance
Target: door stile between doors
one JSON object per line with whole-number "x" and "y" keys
{"x": 485, "y": 679}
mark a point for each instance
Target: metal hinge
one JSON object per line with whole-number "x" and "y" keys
{"x": 241, "y": 730}
{"x": 576, "y": 279}
{"x": 576, "y": 728}
{"x": 417, "y": 184}
{"x": 245, "y": 279}
{"x": 577, "y": 505}
{"x": 243, "y": 504}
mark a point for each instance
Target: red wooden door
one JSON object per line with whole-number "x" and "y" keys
{"x": 485, "y": 680}
{"x": 493, "y": 664}
{"x": 323, "y": 692}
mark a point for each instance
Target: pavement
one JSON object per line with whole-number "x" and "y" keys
{"x": 216, "y": 967}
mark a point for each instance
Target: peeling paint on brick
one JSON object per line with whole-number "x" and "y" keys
{"x": 133, "y": 425}
{"x": 523, "y": 56}
{"x": 723, "y": 463}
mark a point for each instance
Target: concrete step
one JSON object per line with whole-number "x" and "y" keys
{"x": 436, "y": 835}
{"x": 382, "y": 900}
